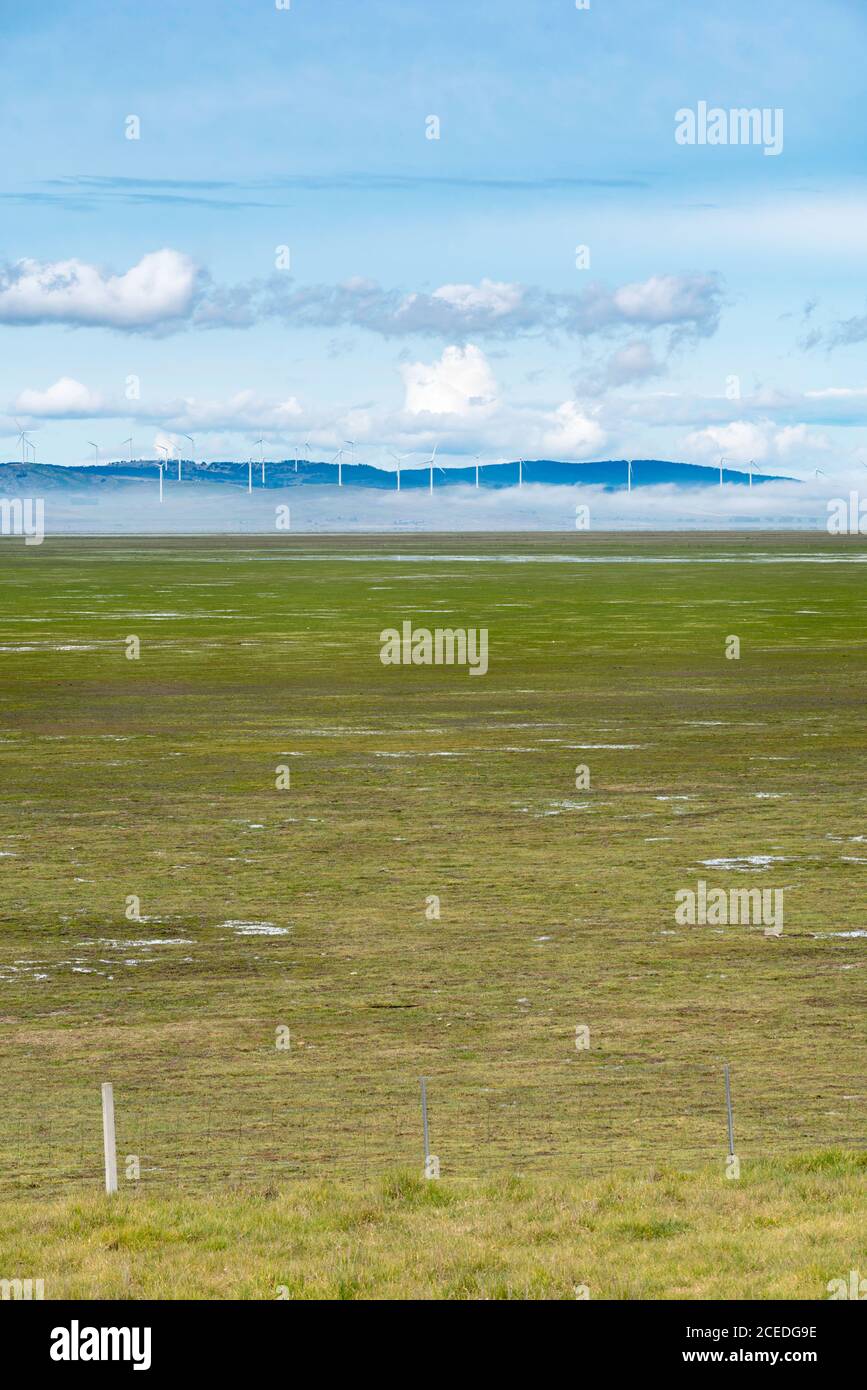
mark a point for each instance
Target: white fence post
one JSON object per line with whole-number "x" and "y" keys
{"x": 108, "y": 1137}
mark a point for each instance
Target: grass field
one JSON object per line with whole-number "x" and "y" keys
{"x": 305, "y": 908}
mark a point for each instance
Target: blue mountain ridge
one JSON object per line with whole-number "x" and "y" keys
{"x": 610, "y": 474}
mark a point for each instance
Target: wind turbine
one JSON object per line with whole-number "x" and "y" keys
{"x": 752, "y": 466}
{"x": 250, "y": 473}
{"x": 129, "y": 442}
{"x": 23, "y": 441}
{"x": 95, "y": 448}
{"x": 629, "y": 475}
{"x": 260, "y": 442}
{"x": 307, "y": 452}
{"x": 399, "y": 458}
{"x": 193, "y": 442}
{"x": 338, "y": 459}
{"x": 520, "y": 472}
{"x": 478, "y": 456}
{"x": 431, "y": 461}
{"x": 161, "y": 466}
{"x": 351, "y": 443}
{"x": 721, "y": 462}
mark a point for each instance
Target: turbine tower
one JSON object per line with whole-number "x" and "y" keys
{"x": 338, "y": 459}
{"x": 162, "y": 467}
{"x": 629, "y": 475}
{"x": 95, "y": 448}
{"x": 721, "y": 462}
{"x": 129, "y": 442}
{"x": 431, "y": 461}
{"x": 478, "y": 456}
{"x": 260, "y": 441}
{"x": 752, "y": 466}
{"x": 193, "y": 442}
{"x": 23, "y": 441}
{"x": 351, "y": 443}
{"x": 399, "y": 458}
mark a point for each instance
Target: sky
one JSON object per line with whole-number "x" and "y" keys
{"x": 417, "y": 224}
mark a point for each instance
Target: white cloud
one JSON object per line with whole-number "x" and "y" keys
{"x": 743, "y": 440}
{"x": 494, "y": 297}
{"x": 799, "y": 439}
{"x": 572, "y": 434}
{"x": 460, "y": 383}
{"x": 665, "y": 299}
{"x": 160, "y": 288}
{"x": 67, "y": 399}
{"x": 738, "y": 442}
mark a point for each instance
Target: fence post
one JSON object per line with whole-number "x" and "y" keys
{"x": 108, "y": 1138}
{"x": 431, "y": 1162}
{"x": 424, "y": 1118}
{"x": 729, "y": 1111}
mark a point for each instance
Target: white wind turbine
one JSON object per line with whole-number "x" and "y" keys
{"x": 162, "y": 466}
{"x": 520, "y": 472}
{"x": 193, "y": 442}
{"x": 129, "y": 442}
{"x": 752, "y": 466}
{"x": 23, "y": 441}
{"x": 307, "y": 452}
{"x": 95, "y": 448}
{"x": 721, "y": 462}
{"x": 629, "y": 475}
{"x": 351, "y": 443}
{"x": 399, "y": 458}
{"x": 250, "y": 473}
{"x": 478, "y": 456}
{"x": 338, "y": 459}
{"x": 261, "y": 442}
{"x": 431, "y": 462}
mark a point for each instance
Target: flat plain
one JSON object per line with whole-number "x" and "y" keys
{"x": 304, "y": 913}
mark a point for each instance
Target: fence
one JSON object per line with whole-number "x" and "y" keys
{"x": 209, "y": 1128}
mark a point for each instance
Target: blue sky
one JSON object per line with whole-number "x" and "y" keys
{"x": 432, "y": 294}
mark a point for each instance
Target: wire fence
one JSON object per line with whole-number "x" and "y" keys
{"x": 202, "y": 1128}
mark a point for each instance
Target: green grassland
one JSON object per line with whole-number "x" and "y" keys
{"x": 155, "y": 778}
{"x": 784, "y": 1231}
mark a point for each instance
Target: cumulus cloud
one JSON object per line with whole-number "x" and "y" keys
{"x": 743, "y": 440}
{"x": 459, "y": 383}
{"x": 572, "y": 434}
{"x": 159, "y": 289}
{"x": 67, "y": 399}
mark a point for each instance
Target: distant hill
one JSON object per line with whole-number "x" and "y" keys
{"x": 611, "y": 474}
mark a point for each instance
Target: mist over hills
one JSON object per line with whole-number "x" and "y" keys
{"x": 609, "y": 474}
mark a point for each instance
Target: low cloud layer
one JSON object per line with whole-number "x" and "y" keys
{"x": 322, "y": 509}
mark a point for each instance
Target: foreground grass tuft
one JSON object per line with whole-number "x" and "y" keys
{"x": 783, "y": 1231}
